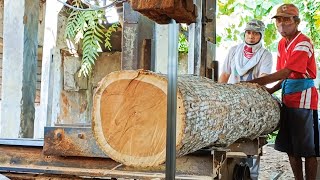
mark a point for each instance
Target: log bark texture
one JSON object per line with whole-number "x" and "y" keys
{"x": 129, "y": 115}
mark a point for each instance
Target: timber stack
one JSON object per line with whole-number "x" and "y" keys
{"x": 129, "y": 115}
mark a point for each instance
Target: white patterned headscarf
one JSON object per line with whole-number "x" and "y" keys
{"x": 242, "y": 64}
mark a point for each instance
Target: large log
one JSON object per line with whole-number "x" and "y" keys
{"x": 129, "y": 115}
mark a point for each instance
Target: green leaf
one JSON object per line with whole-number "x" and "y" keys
{"x": 85, "y": 27}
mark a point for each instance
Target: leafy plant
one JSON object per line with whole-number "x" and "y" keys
{"x": 311, "y": 13}
{"x": 86, "y": 27}
{"x": 271, "y": 138}
{"x": 110, "y": 30}
{"x": 183, "y": 43}
{"x": 244, "y": 11}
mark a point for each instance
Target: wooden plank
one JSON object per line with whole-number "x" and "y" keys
{"x": 183, "y": 11}
{"x": 31, "y": 160}
{"x": 181, "y": 14}
{"x": 190, "y": 6}
{"x": 158, "y": 17}
{"x": 142, "y": 5}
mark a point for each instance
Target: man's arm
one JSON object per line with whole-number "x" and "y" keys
{"x": 224, "y": 77}
{"x": 279, "y": 75}
{"x": 263, "y": 74}
{"x": 274, "y": 88}
{"x": 265, "y": 64}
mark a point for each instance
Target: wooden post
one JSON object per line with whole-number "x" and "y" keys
{"x": 20, "y": 39}
{"x": 50, "y": 36}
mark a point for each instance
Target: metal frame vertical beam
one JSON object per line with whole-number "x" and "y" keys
{"x": 129, "y": 55}
{"x": 202, "y": 41}
{"x": 209, "y": 34}
{"x": 172, "y": 101}
{"x": 203, "y": 50}
{"x": 136, "y": 39}
{"x": 195, "y": 42}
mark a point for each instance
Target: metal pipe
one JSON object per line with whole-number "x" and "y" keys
{"x": 172, "y": 101}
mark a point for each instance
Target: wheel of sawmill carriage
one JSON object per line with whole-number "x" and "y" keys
{"x": 241, "y": 171}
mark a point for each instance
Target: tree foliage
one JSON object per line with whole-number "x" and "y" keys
{"x": 86, "y": 27}
{"x": 311, "y": 13}
{"x": 243, "y": 11}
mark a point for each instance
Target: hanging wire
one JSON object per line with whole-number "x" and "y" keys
{"x": 94, "y": 8}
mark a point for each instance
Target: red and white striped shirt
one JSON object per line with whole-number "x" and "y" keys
{"x": 298, "y": 56}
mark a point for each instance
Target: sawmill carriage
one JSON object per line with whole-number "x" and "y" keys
{"x": 124, "y": 134}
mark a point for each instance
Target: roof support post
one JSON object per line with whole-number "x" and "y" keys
{"x": 20, "y": 39}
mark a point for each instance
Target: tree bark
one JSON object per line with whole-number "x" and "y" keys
{"x": 129, "y": 115}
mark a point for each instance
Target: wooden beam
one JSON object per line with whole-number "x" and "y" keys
{"x": 40, "y": 49}
{"x": 20, "y": 39}
{"x": 50, "y": 39}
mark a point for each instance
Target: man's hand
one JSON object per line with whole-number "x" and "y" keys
{"x": 224, "y": 77}
{"x": 256, "y": 85}
{"x": 274, "y": 77}
{"x": 270, "y": 91}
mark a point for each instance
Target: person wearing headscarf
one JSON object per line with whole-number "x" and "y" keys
{"x": 248, "y": 60}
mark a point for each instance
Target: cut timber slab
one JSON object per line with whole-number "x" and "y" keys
{"x": 129, "y": 115}
{"x": 182, "y": 11}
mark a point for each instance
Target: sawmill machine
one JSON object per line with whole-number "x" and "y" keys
{"x": 73, "y": 150}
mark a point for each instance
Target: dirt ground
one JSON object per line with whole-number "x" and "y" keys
{"x": 274, "y": 165}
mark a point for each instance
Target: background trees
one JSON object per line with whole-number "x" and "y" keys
{"x": 233, "y": 15}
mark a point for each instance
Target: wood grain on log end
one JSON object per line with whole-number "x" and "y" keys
{"x": 130, "y": 109}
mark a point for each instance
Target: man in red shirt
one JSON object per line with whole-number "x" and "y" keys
{"x": 296, "y": 68}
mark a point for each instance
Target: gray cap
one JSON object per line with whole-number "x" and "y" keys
{"x": 255, "y": 25}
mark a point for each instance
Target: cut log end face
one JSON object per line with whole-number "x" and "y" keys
{"x": 129, "y": 117}
{"x": 131, "y": 114}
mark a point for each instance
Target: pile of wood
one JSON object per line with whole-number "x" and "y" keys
{"x": 129, "y": 115}
{"x": 183, "y": 11}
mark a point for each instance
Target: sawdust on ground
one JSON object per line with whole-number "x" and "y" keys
{"x": 274, "y": 165}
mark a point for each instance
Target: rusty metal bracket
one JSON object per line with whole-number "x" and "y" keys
{"x": 70, "y": 141}
{"x": 30, "y": 160}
